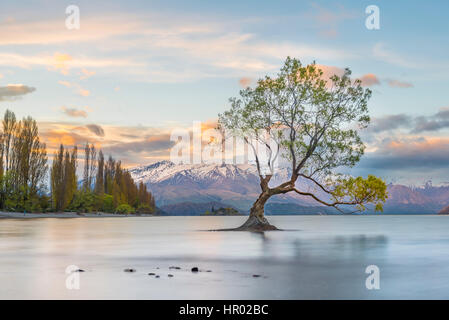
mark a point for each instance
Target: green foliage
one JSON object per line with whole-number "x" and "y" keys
{"x": 45, "y": 203}
{"x": 108, "y": 203}
{"x": 125, "y": 209}
{"x": 359, "y": 191}
{"x": 63, "y": 178}
{"x": 21, "y": 200}
{"x": 83, "y": 201}
{"x": 23, "y": 165}
{"x": 145, "y": 208}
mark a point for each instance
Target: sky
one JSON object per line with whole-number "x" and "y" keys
{"x": 135, "y": 70}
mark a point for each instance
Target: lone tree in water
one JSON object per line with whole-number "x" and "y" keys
{"x": 314, "y": 122}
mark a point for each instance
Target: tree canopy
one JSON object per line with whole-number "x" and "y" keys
{"x": 314, "y": 123}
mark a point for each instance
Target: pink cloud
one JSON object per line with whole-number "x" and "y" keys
{"x": 245, "y": 82}
{"x": 399, "y": 84}
{"x": 369, "y": 80}
{"x": 85, "y": 74}
{"x": 74, "y": 112}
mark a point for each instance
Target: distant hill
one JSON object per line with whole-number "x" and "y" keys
{"x": 191, "y": 208}
{"x": 277, "y": 208}
{"x": 180, "y": 188}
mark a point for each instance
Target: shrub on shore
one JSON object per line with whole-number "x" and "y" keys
{"x": 125, "y": 209}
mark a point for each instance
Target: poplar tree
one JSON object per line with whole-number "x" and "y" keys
{"x": 99, "y": 180}
{"x": 63, "y": 178}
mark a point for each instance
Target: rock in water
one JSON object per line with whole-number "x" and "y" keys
{"x": 170, "y": 275}
{"x": 195, "y": 269}
{"x": 129, "y": 270}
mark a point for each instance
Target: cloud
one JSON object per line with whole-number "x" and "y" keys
{"x": 438, "y": 121}
{"x": 369, "y": 80}
{"x": 83, "y": 92}
{"x": 69, "y": 134}
{"x": 245, "y": 82}
{"x": 45, "y": 32}
{"x": 96, "y": 129}
{"x": 59, "y": 62}
{"x": 143, "y": 150}
{"x": 407, "y": 153}
{"x": 414, "y": 124}
{"x": 390, "y": 122}
{"x": 382, "y": 53}
{"x": 74, "y": 112}
{"x": 146, "y": 145}
{"x": 399, "y": 84}
{"x": 443, "y": 113}
{"x": 14, "y": 91}
{"x": 64, "y": 62}
{"x": 132, "y": 145}
{"x": 85, "y": 74}
{"x": 328, "y": 20}
{"x": 65, "y": 83}
{"x": 162, "y": 42}
{"x": 329, "y": 71}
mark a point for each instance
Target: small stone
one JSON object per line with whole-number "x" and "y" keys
{"x": 195, "y": 269}
{"x": 151, "y": 274}
{"x": 256, "y": 275}
{"x": 130, "y": 270}
{"x": 170, "y": 275}
{"x": 209, "y": 271}
{"x": 157, "y": 277}
{"x": 79, "y": 270}
{"x": 173, "y": 267}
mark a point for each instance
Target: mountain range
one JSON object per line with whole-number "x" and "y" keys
{"x": 184, "y": 189}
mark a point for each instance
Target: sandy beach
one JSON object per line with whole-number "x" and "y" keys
{"x": 21, "y": 215}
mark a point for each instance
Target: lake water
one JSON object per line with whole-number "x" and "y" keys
{"x": 321, "y": 257}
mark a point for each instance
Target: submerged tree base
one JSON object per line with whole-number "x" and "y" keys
{"x": 253, "y": 224}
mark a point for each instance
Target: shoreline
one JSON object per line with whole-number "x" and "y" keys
{"x": 38, "y": 215}
{"x": 21, "y": 215}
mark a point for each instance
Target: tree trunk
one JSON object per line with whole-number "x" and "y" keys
{"x": 256, "y": 220}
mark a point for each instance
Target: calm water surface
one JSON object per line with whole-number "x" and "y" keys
{"x": 321, "y": 257}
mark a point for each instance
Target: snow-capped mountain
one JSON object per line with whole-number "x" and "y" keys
{"x": 238, "y": 186}
{"x": 235, "y": 185}
{"x": 168, "y": 172}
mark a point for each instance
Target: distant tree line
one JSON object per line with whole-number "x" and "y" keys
{"x": 24, "y": 186}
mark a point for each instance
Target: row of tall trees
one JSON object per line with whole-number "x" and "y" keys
{"x": 106, "y": 186}
{"x": 24, "y": 184}
{"x": 23, "y": 164}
